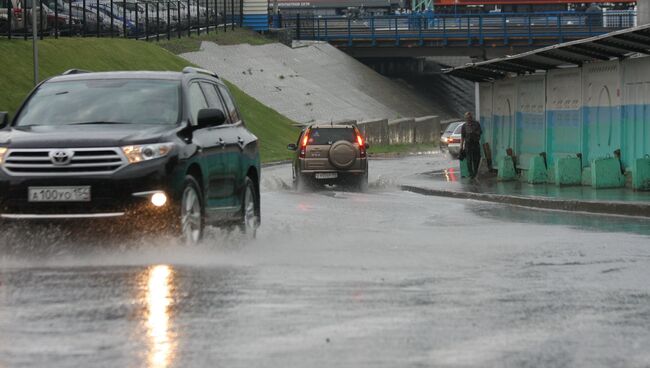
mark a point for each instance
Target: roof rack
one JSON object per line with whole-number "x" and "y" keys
{"x": 190, "y": 69}
{"x": 75, "y": 71}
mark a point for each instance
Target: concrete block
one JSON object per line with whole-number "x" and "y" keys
{"x": 464, "y": 170}
{"x": 506, "y": 169}
{"x": 375, "y": 131}
{"x": 568, "y": 171}
{"x": 427, "y": 129}
{"x": 550, "y": 174}
{"x": 641, "y": 174}
{"x": 586, "y": 176}
{"x": 401, "y": 131}
{"x": 536, "y": 170}
{"x": 606, "y": 173}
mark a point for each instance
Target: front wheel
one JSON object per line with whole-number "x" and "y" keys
{"x": 192, "y": 219}
{"x": 250, "y": 210}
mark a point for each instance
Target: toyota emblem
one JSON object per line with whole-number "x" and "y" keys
{"x": 61, "y": 157}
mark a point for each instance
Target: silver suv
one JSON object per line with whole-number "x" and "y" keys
{"x": 330, "y": 154}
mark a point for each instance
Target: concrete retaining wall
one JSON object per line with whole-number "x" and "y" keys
{"x": 427, "y": 129}
{"x": 375, "y": 131}
{"x": 401, "y": 131}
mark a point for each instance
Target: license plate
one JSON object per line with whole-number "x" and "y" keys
{"x": 59, "y": 194}
{"x": 327, "y": 175}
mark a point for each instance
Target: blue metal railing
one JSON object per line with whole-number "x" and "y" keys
{"x": 457, "y": 29}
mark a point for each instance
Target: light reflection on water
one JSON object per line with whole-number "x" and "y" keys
{"x": 161, "y": 340}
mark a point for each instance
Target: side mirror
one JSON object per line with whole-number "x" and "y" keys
{"x": 4, "y": 119}
{"x": 292, "y": 147}
{"x": 210, "y": 118}
{"x": 366, "y": 145}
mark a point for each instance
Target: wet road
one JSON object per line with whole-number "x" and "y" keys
{"x": 335, "y": 278}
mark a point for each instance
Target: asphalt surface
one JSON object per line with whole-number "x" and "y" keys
{"x": 338, "y": 279}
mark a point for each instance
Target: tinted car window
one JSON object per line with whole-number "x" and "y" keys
{"x": 197, "y": 101}
{"x": 212, "y": 95}
{"x": 232, "y": 111}
{"x": 331, "y": 135}
{"x": 139, "y": 101}
{"x": 458, "y": 129}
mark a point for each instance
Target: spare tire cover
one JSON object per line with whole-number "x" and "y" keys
{"x": 342, "y": 155}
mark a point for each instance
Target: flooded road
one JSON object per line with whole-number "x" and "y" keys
{"x": 337, "y": 278}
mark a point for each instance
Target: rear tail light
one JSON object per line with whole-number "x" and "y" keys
{"x": 303, "y": 144}
{"x": 362, "y": 146}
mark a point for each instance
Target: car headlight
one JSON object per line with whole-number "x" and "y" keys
{"x": 3, "y": 150}
{"x": 146, "y": 152}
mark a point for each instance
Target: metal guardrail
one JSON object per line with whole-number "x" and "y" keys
{"x": 120, "y": 18}
{"x": 457, "y": 29}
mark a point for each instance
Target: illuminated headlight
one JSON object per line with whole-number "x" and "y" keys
{"x": 3, "y": 150}
{"x": 147, "y": 152}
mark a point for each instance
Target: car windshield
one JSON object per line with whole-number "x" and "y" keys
{"x": 331, "y": 135}
{"x": 129, "y": 101}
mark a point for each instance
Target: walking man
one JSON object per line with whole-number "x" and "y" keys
{"x": 470, "y": 143}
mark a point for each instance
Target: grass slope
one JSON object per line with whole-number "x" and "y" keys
{"x": 56, "y": 56}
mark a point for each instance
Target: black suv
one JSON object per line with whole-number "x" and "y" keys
{"x": 163, "y": 146}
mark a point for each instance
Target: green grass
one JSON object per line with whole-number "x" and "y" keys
{"x": 403, "y": 148}
{"x": 56, "y": 56}
{"x": 193, "y": 43}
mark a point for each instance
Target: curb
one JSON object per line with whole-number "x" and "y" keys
{"x": 633, "y": 209}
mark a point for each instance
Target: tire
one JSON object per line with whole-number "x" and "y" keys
{"x": 250, "y": 210}
{"x": 191, "y": 212}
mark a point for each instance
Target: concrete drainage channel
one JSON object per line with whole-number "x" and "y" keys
{"x": 633, "y": 209}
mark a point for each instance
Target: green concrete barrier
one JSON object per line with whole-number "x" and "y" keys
{"x": 506, "y": 169}
{"x": 568, "y": 171}
{"x": 536, "y": 170}
{"x": 586, "y": 176}
{"x": 606, "y": 173}
{"x": 641, "y": 173}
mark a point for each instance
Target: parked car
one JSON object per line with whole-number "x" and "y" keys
{"x": 330, "y": 154}
{"x": 154, "y": 149}
{"x": 453, "y": 142}
{"x": 449, "y": 130}
{"x": 21, "y": 16}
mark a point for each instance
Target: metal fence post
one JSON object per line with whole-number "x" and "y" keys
{"x": 70, "y": 20}
{"x": 207, "y": 16}
{"x": 559, "y": 27}
{"x": 40, "y": 19}
{"x": 157, "y": 21}
{"x": 25, "y": 21}
{"x": 137, "y": 31}
{"x": 180, "y": 21}
{"x": 169, "y": 29}
{"x": 97, "y": 15}
{"x": 372, "y": 30}
{"x": 10, "y": 10}
{"x": 146, "y": 21}
{"x": 396, "y": 31}
{"x": 216, "y": 17}
{"x": 421, "y": 41}
{"x": 124, "y": 30}
{"x": 56, "y": 19}
{"x": 241, "y": 13}
{"x": 189, "y": 19}
{"x": 83, "y": 29}
{"x": 530, "y": 30}
{"x": 225, "y": 15}
{"x": 198, "y": 19}
{"x": 111, "y": 3}
{"x": 232, "y": 15}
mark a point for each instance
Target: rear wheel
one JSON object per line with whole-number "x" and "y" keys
{"x": 192, "y": 219}
{"x": 250, "y": 210}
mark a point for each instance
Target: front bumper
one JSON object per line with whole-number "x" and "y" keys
{"x": 123, "y": 193}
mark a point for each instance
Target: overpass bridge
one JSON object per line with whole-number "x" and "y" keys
{"x": 476, "y": 35}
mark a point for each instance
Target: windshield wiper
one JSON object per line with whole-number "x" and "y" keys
{"x": 98, "y": 122}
